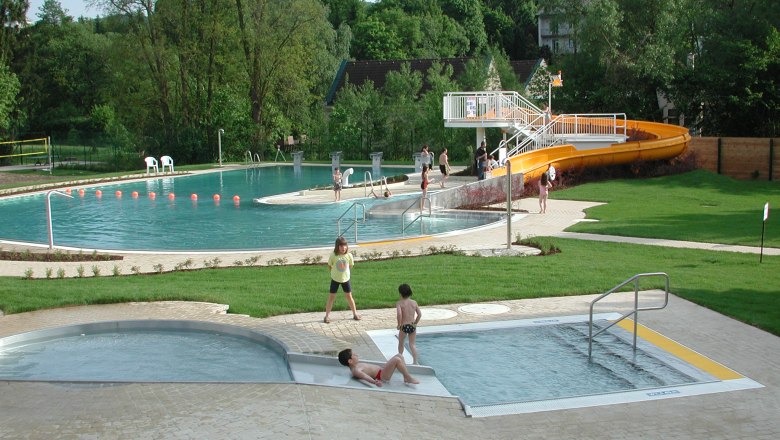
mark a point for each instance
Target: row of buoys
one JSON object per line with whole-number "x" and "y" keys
{"x": 152, "y": 195}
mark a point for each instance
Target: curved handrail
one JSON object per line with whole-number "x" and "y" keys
{"x": 634, "y": 311}
{"x": 417, "y": 202}
{"x": 354, "y": 222}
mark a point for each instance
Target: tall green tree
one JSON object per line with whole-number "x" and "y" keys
{"x": 12, "y": 16}
{"x": 726, "y": 81}
{"x": 402, "y": 91}
{"x": 278, "y": 39}
{"x": 9, "y": 88}
{"x": 356, "y": 122}
{"x": 64, "y": 72}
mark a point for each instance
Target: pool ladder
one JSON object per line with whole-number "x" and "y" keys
{"x": 352, "y": 222}
{"x": 635, "y": 311}
{"x": 251, "y": 160}
{"x": 369, "y": 181}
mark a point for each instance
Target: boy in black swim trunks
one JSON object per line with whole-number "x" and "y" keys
{"x": 408, "y": 314}
{"x": 374, "y": 373}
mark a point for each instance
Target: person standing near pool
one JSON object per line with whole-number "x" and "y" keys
{"x": 544, "y": 186}
{"x": 408, "y": 315}
{"x": 424, "y": 185}
{"x": 481, "y": 157}
{"x": 337, "y": 183}
{"x": 425, "y": 156}
{"x": 340, "y": 262}
{"x": 444, "y": 166}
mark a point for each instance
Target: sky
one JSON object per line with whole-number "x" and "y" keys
{"x": 74, "y": 8}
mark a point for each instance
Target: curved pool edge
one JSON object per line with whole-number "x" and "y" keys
{"x": 269, "y": 341}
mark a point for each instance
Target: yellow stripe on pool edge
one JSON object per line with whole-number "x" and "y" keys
{"x": 698, "y": 360}
{"x": 400, "y": 240}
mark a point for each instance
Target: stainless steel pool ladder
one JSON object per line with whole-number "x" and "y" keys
{"x": 251, "y": 160}
{"x": 419, "y": 217}
{"x": 354, "y": 222}
{"x": 635, "y": 311}
{"x": 369, "y": 181}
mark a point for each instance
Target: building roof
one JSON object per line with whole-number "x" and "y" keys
{"x": 358, "y": 72}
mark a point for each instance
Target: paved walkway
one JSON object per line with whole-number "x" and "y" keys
{"x": 238, "y": 411}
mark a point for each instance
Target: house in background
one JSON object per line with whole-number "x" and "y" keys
{"x": 556, "y": 35}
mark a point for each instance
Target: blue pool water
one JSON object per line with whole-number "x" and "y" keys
{"x": 159, "y": 224}
{"x": 162, "y": 355}
{"x": 542, "y": 362}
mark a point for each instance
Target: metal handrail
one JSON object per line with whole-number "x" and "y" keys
{"x": 354, "y": 222}
{"x": 422, "y": 200}
{"x": 635, "y": 310}
{"x": 367, "y": 178}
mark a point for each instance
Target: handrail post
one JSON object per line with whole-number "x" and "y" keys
{"x": 634, "y": 312}
{"x": 48, "y": 215}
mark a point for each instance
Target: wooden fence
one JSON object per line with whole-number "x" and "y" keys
{"x": 740, "y": 158}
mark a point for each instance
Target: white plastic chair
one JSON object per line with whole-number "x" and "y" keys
{"x": 166, "y": 161}
{"x": 151, "y": 163}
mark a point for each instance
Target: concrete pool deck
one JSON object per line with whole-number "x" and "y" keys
{"x": 236, "y": 411}
{"x": 62, "y": 410}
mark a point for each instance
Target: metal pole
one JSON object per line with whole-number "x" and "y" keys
{"x": 508, "y": 204}
{"x": 48, "y": 215}
{"x": 549, "y": 94}
{"x": 48, "y": 148}
{"x": 220, "y": 132}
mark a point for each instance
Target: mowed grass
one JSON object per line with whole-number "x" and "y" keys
{"x": 730, "y": 283}
{"x": 697, "y": 206}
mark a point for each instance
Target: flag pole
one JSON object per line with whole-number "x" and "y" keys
{"x": 763, "y": 227}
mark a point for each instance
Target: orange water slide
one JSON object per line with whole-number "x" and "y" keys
{"x": 664, "y": 142}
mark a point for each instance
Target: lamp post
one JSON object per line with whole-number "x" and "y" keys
{"x": 48, "y": 214}
{"x": 220, "y": 132}
{"x": 555, "y": 81}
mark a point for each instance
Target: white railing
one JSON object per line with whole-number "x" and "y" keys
{"x": 493, "y": 106}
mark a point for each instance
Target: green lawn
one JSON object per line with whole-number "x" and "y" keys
{"x": 730, "y": 283}
{"x": 696, "y": 206}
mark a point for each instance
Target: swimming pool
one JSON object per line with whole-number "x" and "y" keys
{"x": 521, "y": 366}
{"x": 144, "y": 351}
{"x": 161, "y": 224}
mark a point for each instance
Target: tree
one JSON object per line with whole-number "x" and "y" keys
{"x": 356, "y": 120}
{"x": 279, "y": 39}
{"x": 9, "y": 88}
{"x": 374, "y": 40}
{"x": 468, "y": 13}
{"x": 726, "y": 76}
{"x": 12, "y": 16}
{"x": 401, "y": 91}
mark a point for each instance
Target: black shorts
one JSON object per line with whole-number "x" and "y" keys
{"x": 408, "y": 328}
{"x": 443, "y": 169}
{"x": 345, "y": 286}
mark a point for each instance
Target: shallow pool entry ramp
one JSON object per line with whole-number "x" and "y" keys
{"x": 326, "y": 370}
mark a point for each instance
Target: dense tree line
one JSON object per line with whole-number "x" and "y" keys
{"x": 162, "y": 76}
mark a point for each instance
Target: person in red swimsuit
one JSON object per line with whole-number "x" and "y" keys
{"x": 373, "y": 373}
{"x": 424, "y": 185}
